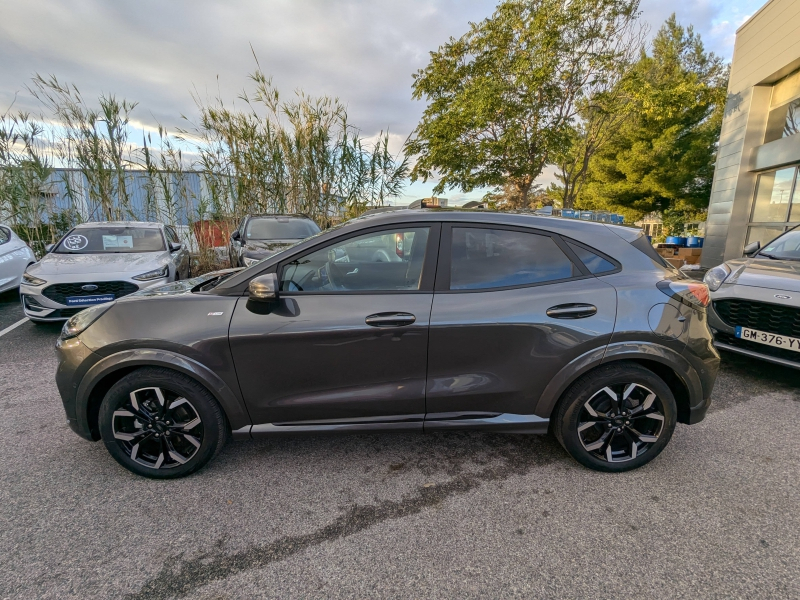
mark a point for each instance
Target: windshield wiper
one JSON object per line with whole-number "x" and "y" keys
{"x": 773, "y": 257}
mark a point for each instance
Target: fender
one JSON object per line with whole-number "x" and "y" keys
{"x": 231, "y": 404}
{"x": 616, "y": 352}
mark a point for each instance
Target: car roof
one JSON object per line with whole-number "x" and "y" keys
{"x": 522, "y": 219}
{"x": 279, "y": 215}
{"x": 146, "y": 224}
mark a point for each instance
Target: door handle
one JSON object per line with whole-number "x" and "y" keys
{"x": 396, "y": 319}
{"x": 571, "y": 311}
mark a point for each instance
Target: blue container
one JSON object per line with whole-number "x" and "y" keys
{"x": 694, "y": 242}
{"x": 676, "y": 240}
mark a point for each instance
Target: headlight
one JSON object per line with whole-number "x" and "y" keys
{"x": 715, "y": 277}
{"x": 249, "y": 261}
{"x": 79, "y": 322}
{"x": 31, "y": 280}
{"x": 155, "y": 274}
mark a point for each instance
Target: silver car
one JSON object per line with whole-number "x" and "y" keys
{"x": 99, "y": 262}
{"x": 755, "y": 306}
{"x": 15, "y": 256}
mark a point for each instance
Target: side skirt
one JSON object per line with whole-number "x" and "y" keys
{"x": 507, "y": 423}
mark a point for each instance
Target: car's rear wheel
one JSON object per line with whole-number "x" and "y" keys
{"x": 616, "y": 418}
{"x": 161, "y": 424}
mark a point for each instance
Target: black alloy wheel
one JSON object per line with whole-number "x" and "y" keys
{"x": 157, "y": 428}
{"x": 161, "y": 424}
{"x": 621, "y": 422}
{"x": 616, "y": 418}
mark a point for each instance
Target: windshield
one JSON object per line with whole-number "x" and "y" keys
{"x": 280, "y": 229}
{"x": 785, "y": 247}
{"x": 111, "y": 240}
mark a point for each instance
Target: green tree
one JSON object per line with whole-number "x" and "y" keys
{"x": 502, "y": 98}
{"x": 663, "y": 155}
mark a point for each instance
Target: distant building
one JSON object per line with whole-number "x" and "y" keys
{"x": 755, "y": 195}
{"x": 475, "y": 204}
{"x": 432, "y": 202}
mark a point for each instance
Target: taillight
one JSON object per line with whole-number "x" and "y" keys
{"x": 398, "y": 244}
{"x": 689, "y": 292}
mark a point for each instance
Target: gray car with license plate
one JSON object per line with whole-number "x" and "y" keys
{"x": 100, "y": 262}
{"x": 755, "y": 307}
{"x": 413, "y": 320}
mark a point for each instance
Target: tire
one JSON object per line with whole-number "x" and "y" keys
{"x": 639, "y": 430}
{"x": 161, "y": 424}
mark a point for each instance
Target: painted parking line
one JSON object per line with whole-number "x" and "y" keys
{"x": 12, "y": 327}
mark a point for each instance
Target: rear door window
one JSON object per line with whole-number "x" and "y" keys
{"x": 596, "y": 264}
{"x": 483, "y": 259}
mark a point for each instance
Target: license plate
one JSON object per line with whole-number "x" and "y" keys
{"x": 768, "y": 339}
{"x": 89, "y": 300}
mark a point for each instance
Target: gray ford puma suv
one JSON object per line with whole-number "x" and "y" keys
{"x": 415, "y": 320}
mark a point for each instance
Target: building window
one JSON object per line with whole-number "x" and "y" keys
{"x": 783, "y": 121}
{"x": 776, "y": 206}
{"x": 772, "y": 196}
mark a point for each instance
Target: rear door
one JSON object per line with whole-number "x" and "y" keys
{"x": 513, "y": 306}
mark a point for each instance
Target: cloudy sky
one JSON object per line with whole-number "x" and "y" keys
{"x": 363, "y": 51}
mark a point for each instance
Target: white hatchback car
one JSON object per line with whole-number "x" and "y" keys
{"x": 99, "y": 262}
{"x": 15, "y": 257}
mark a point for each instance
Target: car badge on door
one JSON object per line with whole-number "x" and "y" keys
{"x": 783, "y": 297}
{"x": 89, "y": 287}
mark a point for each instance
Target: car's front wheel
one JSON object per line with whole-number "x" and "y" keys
{"x": 161, "y": 424}
{"x": 616, "y": 418}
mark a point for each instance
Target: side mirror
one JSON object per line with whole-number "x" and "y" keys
{"x": 264, "y": 288}
{"x": 751, "y": 249}
{"x": 49, "y": 248}
{"x": 175, "y": 246}
{"x": 235, "y": 236}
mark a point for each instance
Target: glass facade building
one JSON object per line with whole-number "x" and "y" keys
{"x": 756, "y": 192}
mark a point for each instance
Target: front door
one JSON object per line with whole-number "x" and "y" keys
{"x": 512, "y": 308}
{"x": 347, "y": 340}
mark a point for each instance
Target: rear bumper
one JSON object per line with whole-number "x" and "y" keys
{"x": 698, "y": 412}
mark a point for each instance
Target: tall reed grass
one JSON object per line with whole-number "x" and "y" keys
{"x": 266, "y": 155}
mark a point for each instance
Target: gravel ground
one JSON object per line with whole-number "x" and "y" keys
{"x": 451, "y": 515}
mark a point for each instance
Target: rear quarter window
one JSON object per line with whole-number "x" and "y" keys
{"x": 592, "y": 259}
{"x": 643, "y": 245}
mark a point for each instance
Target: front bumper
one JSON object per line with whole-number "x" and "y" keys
{"x": 38, "y": 307}
{"x": 74, "y": 360}
{"x": 725, "y": 332}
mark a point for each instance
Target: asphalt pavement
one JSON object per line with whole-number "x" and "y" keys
{"x": 448, "y": 515}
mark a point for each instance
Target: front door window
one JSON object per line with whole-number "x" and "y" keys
{"x": 386, "y": 261}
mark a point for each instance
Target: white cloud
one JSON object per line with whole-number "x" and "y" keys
{"x": 363, "y": 51}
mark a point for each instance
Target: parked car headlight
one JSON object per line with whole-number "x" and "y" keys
{"x": 154, "y": 274}
{"x": 715, "y": 277}
{"x": 250, "y": 261}
{"x": 79, "y": 322}
{"x": 31, "y": 280}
